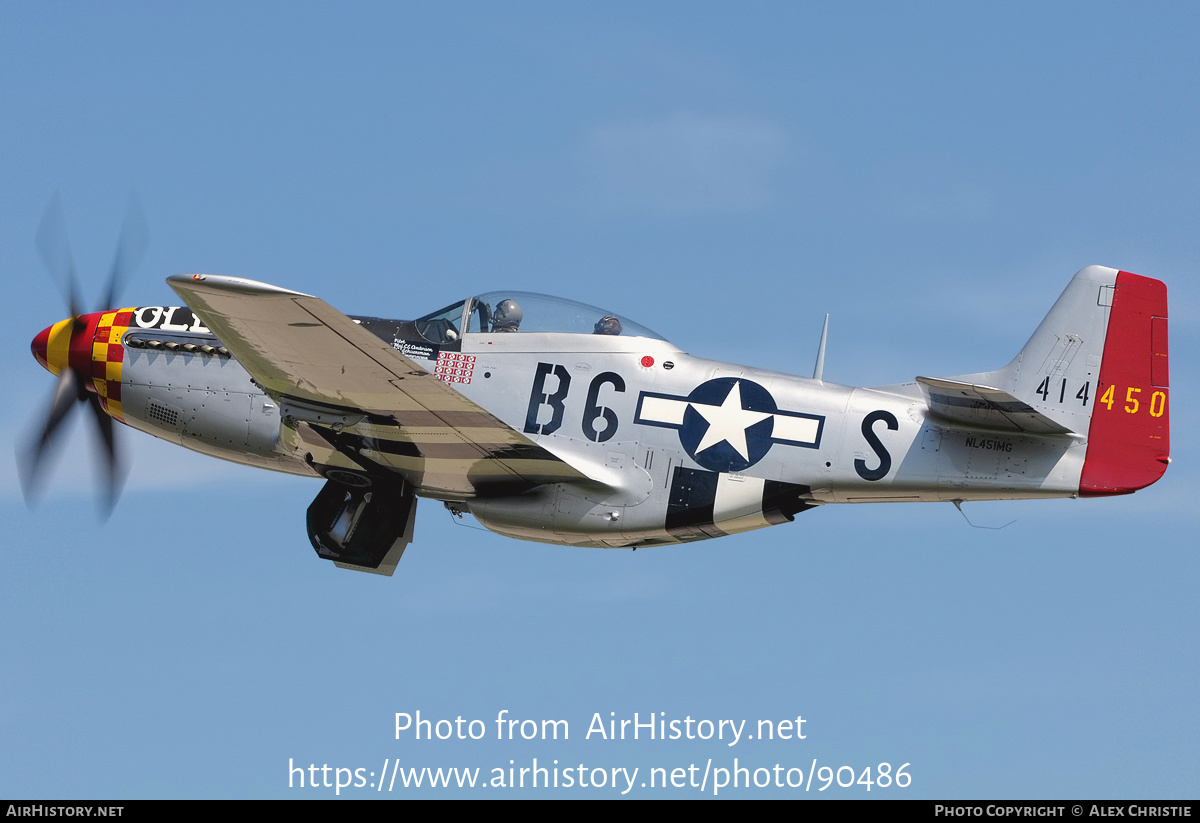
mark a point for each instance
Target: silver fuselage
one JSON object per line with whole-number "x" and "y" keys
{"x": 631, "y": 414}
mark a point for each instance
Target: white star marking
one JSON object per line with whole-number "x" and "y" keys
{"x": 728, "y": 422}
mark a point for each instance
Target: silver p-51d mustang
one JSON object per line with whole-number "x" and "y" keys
{"x": 554, "y": 421}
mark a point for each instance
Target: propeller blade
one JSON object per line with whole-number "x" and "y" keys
{"x": 131, "y": 248}
{"x": 55, "y": 249}
{"x": 67, "y": 393}
{"x": 112, "y": 471}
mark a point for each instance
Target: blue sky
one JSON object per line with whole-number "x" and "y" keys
{"x": 931, "y": 175}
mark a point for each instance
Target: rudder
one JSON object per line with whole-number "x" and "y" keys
{"x": 1129, "y": 442}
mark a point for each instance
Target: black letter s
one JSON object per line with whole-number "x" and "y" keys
{"x": 885, "y": 459}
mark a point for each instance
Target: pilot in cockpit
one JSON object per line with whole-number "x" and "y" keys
{"x": 507, "y": 316}
{"x": 608, "y": 324}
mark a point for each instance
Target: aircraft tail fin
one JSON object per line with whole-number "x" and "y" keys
{"x": 1098, "y": 366}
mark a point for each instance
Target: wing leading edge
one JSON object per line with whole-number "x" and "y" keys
{"x": 383, "y": 409}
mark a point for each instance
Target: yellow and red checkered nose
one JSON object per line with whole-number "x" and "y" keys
{"x": 90, "y": 345}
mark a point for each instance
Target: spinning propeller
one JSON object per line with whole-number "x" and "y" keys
{"x": 65, "y": 348}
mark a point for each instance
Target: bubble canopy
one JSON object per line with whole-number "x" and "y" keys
{"x": 522, "y": 311}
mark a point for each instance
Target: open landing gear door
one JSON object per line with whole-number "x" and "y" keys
{"x": 364, "y": 525}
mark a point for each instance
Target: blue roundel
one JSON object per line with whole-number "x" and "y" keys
{"x": 728, "y": 423}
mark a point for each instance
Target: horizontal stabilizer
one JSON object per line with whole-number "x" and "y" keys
{"x": 985, "y": 407}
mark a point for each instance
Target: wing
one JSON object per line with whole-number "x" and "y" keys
{"x": 348, "y": 388}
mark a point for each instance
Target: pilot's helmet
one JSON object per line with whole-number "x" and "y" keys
{"x": 608, "y": 324}
{"x": 507, "y": 316}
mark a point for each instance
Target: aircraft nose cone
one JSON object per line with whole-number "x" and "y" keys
{"x": 39, "y": 345}
{"x": 52, "y": 345}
